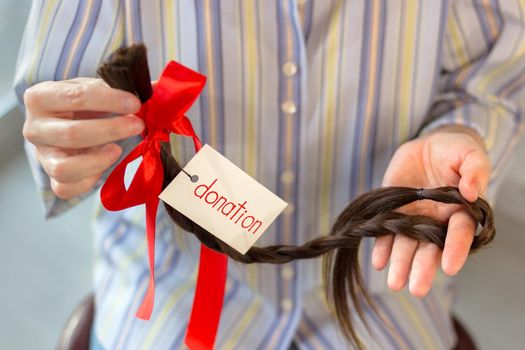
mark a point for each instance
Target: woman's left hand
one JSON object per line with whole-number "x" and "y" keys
{"x": 449, "y": 156}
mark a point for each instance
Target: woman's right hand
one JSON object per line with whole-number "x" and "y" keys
{"x": 73, "y": 126}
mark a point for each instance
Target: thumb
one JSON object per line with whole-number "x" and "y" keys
{"x": 474, "y": 171}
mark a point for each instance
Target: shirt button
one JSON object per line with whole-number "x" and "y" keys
{"x": 289, "y": 69}
{"x": 287, "y": 273}
{"x": 287, "y": 177}
{"x": 286, "y": 304}
{"x": 289, "y": 107}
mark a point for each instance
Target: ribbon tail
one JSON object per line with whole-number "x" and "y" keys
{"x": 196, "y": 141}
{"x": 184, "y": 127}
{"x": 208, "y": 300}
{"x": 146, "y": 308}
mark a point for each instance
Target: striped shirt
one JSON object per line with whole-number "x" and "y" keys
{"x": 311, "y": 98}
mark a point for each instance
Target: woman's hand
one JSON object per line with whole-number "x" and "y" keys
{"x": 72, "y": 126}
{"x": 449, "y": 156}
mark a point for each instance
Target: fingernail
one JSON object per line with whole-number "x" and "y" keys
{"x": 393, "y": 281}
{"x": 130, "y": 104}
{"x": 448, "y": 268}
{"x": 136, "y": 126}
{"x": 113, "y": 150}
{"x": 477, "y": 188}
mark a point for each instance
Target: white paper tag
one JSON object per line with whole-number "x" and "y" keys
{"x": 225, "y": 200}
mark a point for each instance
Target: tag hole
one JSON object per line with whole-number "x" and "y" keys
{"x": 194, "y": 178}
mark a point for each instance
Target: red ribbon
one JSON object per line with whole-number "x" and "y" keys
{"x": 176, "y": 90}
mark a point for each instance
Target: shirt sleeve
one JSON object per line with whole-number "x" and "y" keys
{"x": 63, "y": 40}
{"x": 483, "y": 74}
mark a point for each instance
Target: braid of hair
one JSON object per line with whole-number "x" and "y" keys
{"x": 370, "y": 215}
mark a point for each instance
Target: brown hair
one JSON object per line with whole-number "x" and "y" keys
{"x": 370, "y": 215}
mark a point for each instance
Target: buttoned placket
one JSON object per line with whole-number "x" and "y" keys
{"x": 290, "y": 76}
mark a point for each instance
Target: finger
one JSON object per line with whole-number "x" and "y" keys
{"x": 403, "y": 251}
{"x": 60, "y": 96}
{"x": 74, "y": 189}
{"x": 66, "y": 168}
{"x": 61, "y": 133}
{"x": 475, "y": 174}
{"x": 381, "y": 251}
{"x": 460, "y": 233}
{"x": 424, "y": 267}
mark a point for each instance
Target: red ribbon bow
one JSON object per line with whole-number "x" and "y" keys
{"x": 176, "y": 90}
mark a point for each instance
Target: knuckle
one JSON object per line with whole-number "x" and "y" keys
{"x": 464, "y": 225}
{"x": 383, "y": 243}
{"x": 28, "y": 131}
{"x": 33, "y": 96}
{"x": 458, "y": 248}
{"x": 68, "y": 134}
{"x": 75, "y": 95}
{"x": 119, "y": 128}
{"x": 40, "y": 156}
{"x": 29, "y": 97}
{"x": 58, "y": 170}
{"x": 112, "y": 132}
{"x": 399, "y": 260}
{"x": 117, "y": 132}
{"x": 419, "y": 265}
{"x": 61, "y": 190}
